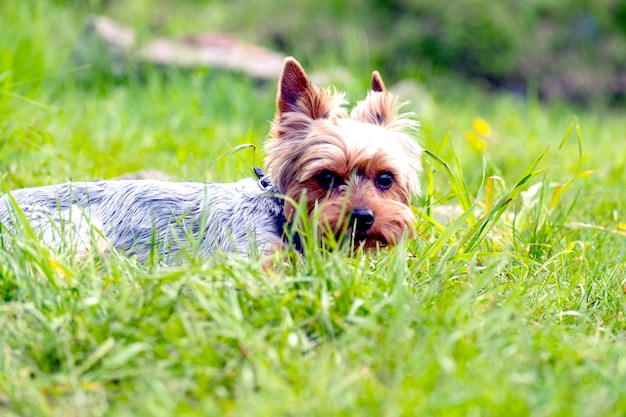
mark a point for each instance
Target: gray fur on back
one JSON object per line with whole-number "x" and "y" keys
{"x": 137, "y": 216}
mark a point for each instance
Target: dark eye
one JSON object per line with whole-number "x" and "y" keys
{"x": 384, "y": 180}
{"x": 327, "y": 180}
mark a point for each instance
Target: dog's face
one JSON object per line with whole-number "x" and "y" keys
{"x": 358, "y": 169}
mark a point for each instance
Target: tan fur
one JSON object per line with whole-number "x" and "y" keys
{"x": 312, "y": 133}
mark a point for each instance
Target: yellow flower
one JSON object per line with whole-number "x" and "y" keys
{"x": 481, "y": 126}
{"x": 476, "y": 141}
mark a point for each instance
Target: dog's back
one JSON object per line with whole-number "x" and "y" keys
{"x": 139, "y": 217}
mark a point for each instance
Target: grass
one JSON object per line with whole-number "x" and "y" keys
{"x": 515, "y": 308}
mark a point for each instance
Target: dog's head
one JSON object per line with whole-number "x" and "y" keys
{"x": 359, "y": 168}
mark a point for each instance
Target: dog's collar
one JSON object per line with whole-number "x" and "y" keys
{"x": 265, "y": 182}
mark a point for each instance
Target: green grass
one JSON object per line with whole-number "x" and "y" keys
{"x": 516, "y": 308}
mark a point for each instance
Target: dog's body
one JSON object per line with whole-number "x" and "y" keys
{"x": 357, "y": 170}
{"x": 139, "y": 217}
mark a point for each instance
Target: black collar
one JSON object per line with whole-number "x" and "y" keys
{"x": 265, "y": 182}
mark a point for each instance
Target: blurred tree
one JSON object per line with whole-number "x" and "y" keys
{"x": 563, "y": 49}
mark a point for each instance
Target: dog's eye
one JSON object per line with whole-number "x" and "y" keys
{"x": 384, "y": 180}
{"x": 327, "y": 180}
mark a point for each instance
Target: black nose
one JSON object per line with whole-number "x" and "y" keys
{"x": 363, "y": 219}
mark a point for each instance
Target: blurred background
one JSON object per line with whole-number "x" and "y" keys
{"x": 571, "y": 50}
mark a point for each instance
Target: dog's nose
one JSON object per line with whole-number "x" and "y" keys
{"x": 363, "y": 219}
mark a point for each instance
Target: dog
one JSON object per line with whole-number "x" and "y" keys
{"x": 354, "y": 172}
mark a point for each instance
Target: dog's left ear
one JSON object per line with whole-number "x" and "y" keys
{"x": 378, "y": 85}
{"x": 379, "y": 107}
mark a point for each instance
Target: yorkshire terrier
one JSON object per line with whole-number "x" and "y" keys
{"x": 354, "y": 172}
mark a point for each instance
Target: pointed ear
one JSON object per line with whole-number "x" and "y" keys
{"x": 377, "y": 109}
{"x": 292, "y": 85}
{"x": 377, "y": 83}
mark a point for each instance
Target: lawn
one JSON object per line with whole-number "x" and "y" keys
{"x": 515, "y": 307}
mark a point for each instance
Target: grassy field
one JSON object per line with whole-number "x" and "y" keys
{"x": 515, "y": 308}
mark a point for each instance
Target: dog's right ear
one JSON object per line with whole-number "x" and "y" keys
{"x": 296, "y": 94}
{"x": 292, "y": 86}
